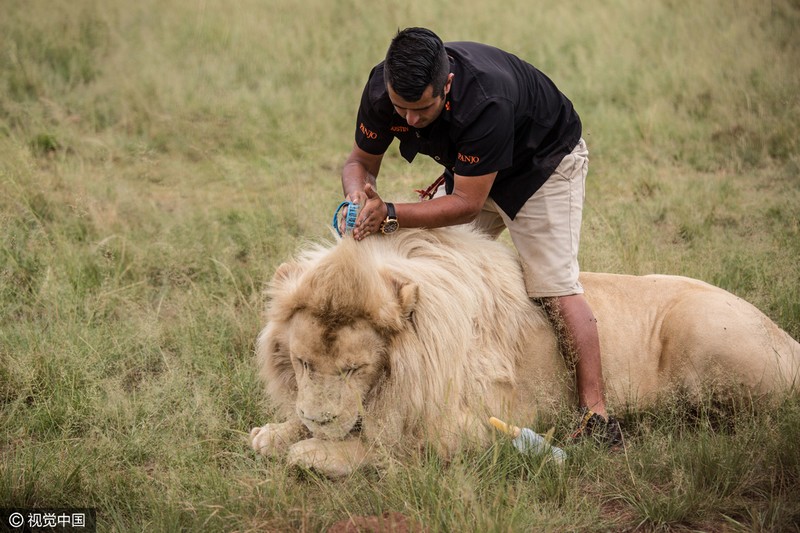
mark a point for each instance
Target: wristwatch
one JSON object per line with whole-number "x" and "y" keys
{"x": 389, "y": 224}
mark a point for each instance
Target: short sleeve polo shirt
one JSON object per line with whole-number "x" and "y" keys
{"x": 501, "y": 115}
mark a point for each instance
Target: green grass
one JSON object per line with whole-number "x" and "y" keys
{"x": 159, "y": 160}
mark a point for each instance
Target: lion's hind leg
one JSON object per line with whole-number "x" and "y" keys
{"x": 275, "y": 439}
{"x": 712, "y": 338}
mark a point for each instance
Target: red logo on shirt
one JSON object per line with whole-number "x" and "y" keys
{"x": 368, "y": 133}
{"x": 399, "y": 129}
{"x": 468, "y": 159}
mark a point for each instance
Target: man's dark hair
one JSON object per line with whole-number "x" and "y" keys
{"x": 416, "y": 58}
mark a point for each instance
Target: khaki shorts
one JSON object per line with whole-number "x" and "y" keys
{"x": 547, "y": 230}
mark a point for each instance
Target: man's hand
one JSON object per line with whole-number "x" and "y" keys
{"x": 372, "y": 214}
{"x": 357, "y": 197}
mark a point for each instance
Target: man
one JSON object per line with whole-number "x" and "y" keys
{"x": 514, "y": 158}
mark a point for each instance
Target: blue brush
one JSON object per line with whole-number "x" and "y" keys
{"x": 349, "y": 221}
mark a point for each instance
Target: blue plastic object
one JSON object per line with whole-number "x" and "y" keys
{"x": 529, "y": 441}
{"x": 349, "y": 221}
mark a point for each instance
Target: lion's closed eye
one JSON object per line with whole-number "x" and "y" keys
{"x": 350, "y": 370}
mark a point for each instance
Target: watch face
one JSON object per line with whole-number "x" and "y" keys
{"x": 390, "y": 226}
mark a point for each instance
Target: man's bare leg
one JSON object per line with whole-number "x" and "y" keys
{"x": 579, "y": 340}
{"x": 581, "y": 329}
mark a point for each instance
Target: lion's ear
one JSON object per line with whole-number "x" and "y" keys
{"x": 285, "y": 271}
{"x": 281, "y": 290}
{"x": 285, "y": 277}
{"x": 405, "y": 293}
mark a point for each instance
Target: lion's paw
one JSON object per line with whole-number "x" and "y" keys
{"x": 275, "y": 439}
{"x": 333, "y": 459}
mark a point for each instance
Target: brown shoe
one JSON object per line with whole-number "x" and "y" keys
{"x": 607, "y": 433}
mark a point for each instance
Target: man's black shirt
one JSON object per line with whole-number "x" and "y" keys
{"x": 501, "y": 115}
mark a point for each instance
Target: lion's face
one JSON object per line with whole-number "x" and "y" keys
{"x": 336, "y": 364}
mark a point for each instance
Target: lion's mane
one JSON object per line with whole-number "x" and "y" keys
{"x": 452, "y": 355}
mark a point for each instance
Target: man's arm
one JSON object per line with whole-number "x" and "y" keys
{"x": 360, "y": 168}
{"x": 466, "y": 202}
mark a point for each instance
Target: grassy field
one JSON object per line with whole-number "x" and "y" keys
{"x": 158, "y": 160}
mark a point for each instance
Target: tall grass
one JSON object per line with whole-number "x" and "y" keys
{"x": 159, "y": 160}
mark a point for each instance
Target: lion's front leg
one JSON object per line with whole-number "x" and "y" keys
{"x": 275, "y": 439}
{"x": 334, "y": 459}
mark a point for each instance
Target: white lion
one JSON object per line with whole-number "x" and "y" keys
{"x": 420, "y": 336}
